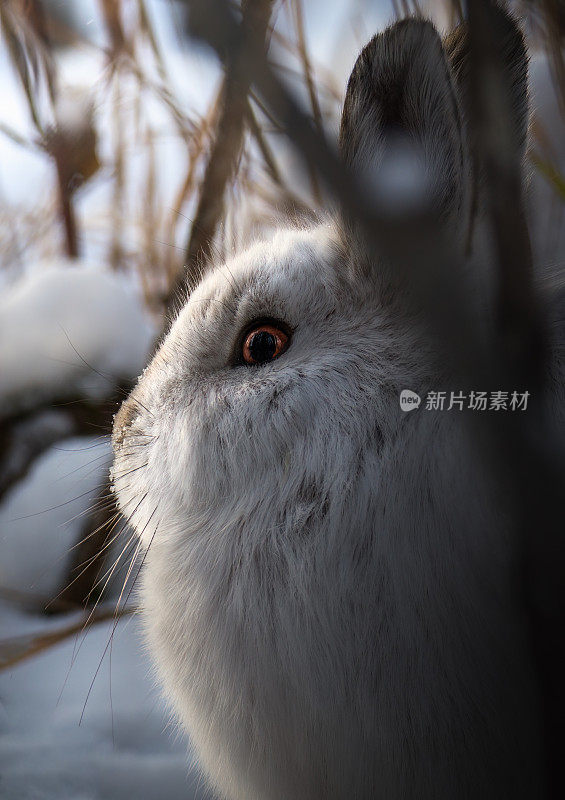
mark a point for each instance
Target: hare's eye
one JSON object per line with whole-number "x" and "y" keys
{"x": 264, "y": 343}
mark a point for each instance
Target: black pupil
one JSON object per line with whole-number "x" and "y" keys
{"x": 263, "y": 346}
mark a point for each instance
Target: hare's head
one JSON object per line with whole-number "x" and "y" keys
{"x": 286, "y": 361}
{"x": 259, "y": 458}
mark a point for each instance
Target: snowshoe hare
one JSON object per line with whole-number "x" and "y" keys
{"x": 329, "y": 582}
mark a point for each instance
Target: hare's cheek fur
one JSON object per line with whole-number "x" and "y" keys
{"x": 204, "y": 445}
{"x": 300, "y": 635}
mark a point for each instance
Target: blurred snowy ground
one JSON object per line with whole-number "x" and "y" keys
{"x": 122, "y": 749}
{"x": 40, "y": 518}
{"x": 72, "y": 347}
{"x": 80, "y": 720}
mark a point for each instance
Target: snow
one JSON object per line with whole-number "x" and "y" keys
{"x": 41, "y": 517}
{"x": 56, "y": 321}
{"x": 69, "y": 329}
{"x": 124, "y": 747}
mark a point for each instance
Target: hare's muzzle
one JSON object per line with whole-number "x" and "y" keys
{"x": 123, "y": 420}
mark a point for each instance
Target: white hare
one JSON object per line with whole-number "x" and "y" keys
{"x": 329, "y": 584}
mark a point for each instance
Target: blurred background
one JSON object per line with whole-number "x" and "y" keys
{"x": 125, "y": 163}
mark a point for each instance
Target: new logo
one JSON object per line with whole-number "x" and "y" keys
{"x": 409, "y": 400}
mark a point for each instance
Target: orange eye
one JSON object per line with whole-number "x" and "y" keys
{"x": 264, "y": 343}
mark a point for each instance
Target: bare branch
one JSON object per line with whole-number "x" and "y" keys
{"x": 25, "y": 436}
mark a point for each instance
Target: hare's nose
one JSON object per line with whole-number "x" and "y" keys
{"x": 124, "y": 419}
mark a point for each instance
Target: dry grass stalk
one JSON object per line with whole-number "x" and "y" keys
{"x": 555, "y": 31}
{"x": 36, "y": 15}
{"x": 186, "y": 124}
{"x": 197, "y": 144}
{"x": 405, "y": 8}
{"x": 111, "y": 12}
{"x": 73, "y": 149}
{"x": 550, "y": 172}
{"x": 544, "y": 158}
{"x": 16, "y": 137}
{"x": 18, "y": 649}
{"x": 263, "y": 145}
{"x": 26, "y": 32}
{"x": 309, "y": 82}
{"x": 150, "y": 223}
{"x": 228, "y": 135}
{"x": 289, "y": 200}
{"x": 325, "y": 81}
{"x": 26, "y": 53}
{"x": 116, "y": 255}
{"x": 147, "y": 30}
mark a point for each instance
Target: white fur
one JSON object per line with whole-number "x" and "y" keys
{"x": 328, "y": 587}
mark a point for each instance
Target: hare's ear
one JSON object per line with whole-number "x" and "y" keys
{"x": 401, "y": 98}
